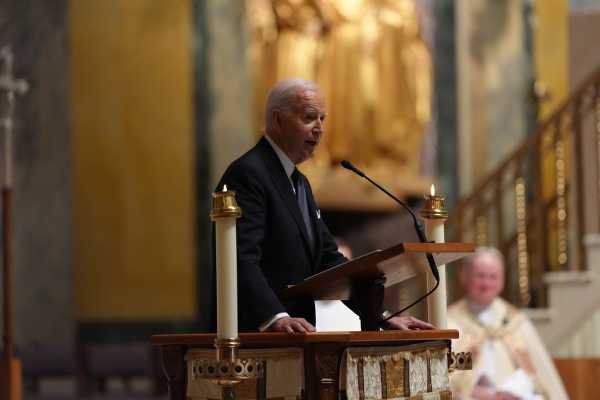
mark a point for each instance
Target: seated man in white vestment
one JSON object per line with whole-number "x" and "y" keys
{"x": 509, "y": 358}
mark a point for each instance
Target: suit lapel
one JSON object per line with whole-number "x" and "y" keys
{"x": 284, "y": 188}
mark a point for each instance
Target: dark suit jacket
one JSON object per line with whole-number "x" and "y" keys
{"x": 273, "y": 247}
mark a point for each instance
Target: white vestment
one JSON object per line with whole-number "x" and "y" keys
{"x": 507, "y": 353}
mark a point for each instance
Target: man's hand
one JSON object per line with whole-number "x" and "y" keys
{"x": 406, "y": 323}
{"x": 289, "y": 324}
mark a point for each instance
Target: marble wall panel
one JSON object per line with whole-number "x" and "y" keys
{"x": 37, "y": 33}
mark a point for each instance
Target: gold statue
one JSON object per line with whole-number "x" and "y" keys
{"x": 404, "y": 75}
{"x": 284, "y": 42}
{"x": 372, "y": 65}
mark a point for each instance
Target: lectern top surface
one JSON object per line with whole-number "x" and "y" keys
{"x": 274, "y": 338}
{"x": 398, "y": 263}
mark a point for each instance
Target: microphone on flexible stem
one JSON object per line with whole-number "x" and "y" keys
{"x": 418, "y": 227}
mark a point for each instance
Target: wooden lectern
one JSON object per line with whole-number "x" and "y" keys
{"x": 363, "y": 280}
{"x": 321, "y": 354}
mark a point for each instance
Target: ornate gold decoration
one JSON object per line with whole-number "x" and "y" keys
{"x": 224, "y": 205}
{"x": 374, "y": 46}
{"x": 462, "y": 361}
{"x": 522, "y": 257}
{"x": 228, "y": 369}
{"x": 227, "y": 349}
{"x": 481, "y": 224}
{"x": 226, "y": 372}
{"x": 561, "y": 202}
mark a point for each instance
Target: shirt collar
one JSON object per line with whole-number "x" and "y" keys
{"x": 287, "y": 164}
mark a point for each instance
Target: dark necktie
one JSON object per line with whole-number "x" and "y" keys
{"x": 303, "y": 203}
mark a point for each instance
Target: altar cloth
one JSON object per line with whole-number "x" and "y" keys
{"x": 390, "y": 373}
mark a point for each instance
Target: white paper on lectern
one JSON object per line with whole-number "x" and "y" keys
{"x": 333, "y": 315}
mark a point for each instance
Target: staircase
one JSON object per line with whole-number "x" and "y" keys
{"x": 539, "y": 207}
{"x": 573, "y": 298}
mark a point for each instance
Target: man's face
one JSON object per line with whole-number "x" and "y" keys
{"x": 298, "y": 130}
{"x": 484, "y": 280}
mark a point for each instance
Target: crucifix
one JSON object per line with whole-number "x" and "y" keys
{"x": 10, "y": 368}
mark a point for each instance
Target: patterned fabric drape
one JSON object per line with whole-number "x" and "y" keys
{"x": 366, "y": 373}
{"x": 395, "y": 373}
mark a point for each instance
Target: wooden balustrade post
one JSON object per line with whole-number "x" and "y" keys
{"x": 499, "y": 209}
{"x": 540, "y": 208}
{"x": 579, "y": 182}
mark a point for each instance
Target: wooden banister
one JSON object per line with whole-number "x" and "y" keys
{"x": 545, "y": 177}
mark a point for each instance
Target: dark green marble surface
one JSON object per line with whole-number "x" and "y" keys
{"x": 445, "y": 100}
{"x": 44, "y": 306}
{"x": 224, "y": 127}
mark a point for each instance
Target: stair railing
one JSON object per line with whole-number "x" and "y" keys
{"x": 531, "y": 207}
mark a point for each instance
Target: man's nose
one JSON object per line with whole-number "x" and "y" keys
{"x": 319, "y": 125}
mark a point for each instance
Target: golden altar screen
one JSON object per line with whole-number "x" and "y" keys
{"x": 371, "y": 61}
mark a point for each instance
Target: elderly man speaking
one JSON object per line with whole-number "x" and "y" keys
{"x": 282, "y": 238}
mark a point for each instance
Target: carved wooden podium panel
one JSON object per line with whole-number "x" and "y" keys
{"x": 322, "y": 355}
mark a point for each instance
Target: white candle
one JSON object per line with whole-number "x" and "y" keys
{"x": 437, "y": 302}
{"x": 226, "y": 258}
{"x": 435, "y": 215}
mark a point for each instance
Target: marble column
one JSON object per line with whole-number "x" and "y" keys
{"x": 444, "y": 101}
{"x": 224, "y": 125}
{"x": 45, "y": 328}
{"x": 231, "y": 128}
{"x": 493, "y": 75}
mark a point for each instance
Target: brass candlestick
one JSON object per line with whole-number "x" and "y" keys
{"x": 224, "y": 205}
{"x": 228, "y": 369}
{"x": 434, "y": 207}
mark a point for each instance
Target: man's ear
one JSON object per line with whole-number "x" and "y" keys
{"x": 276, "y": 119}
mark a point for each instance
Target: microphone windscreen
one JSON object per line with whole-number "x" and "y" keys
{"x": 347, "y": 164}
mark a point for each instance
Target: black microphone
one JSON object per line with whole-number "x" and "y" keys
{"x": 418, "y": 227}
{"x": 420, "y": 232}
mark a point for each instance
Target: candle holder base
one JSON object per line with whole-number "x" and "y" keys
{"x": 228, "y": 369}
{"x": 462, "y": 361}
{"x": 227, "y": 372}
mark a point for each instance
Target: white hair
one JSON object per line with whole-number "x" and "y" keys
{"x": 282, "y": 95}
{"x": 484, "y": 251}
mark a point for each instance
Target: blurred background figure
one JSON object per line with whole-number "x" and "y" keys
{"x": 509, "y": 359}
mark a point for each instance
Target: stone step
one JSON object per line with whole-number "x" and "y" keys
{"x": 569, "y": 277}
